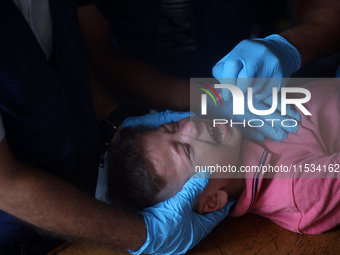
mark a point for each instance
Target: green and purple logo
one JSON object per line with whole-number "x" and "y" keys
{"x": 204, "y": 96}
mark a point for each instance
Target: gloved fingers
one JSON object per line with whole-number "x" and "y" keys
{"x": 267, "y": 85}
{"x": 252, "y": 134}
{"x": 276, "y": 119}
{"x": 154, "y": 120}
{"x": 165, "y": 219}
{"x": 159, "y": 238}
{"x": 263, "y": 88}
{"x": 226, "y": 71}
{"x": 258, "y": 88}
{"x": 269, "y": 130}
{"x": 228, "y": 67}
{"x": 208, "y": 221}
{"x": 226, "y": 94}
{"x": 244, "y": 84}
{"x": 172, "y": 116}
{"x": 186, "y": 198}
{"x": 267, "y": 104}
{"x": 193, "y": 187}
{"x": 290, "y": 110}
{"x": 248, "y": 78}
{"x": 149, "y": 121}
{"x": 283, "y": 123}
{"x": 267, "y": 125}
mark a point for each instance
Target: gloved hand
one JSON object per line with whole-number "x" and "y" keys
{"x": 154, "y": 120}
{"x": 271, "y": 57}
{"x": 271, "y": 129}
{"x": 173, "y": 227}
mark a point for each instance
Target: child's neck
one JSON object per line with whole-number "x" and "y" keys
{"x": 235, "y": 186}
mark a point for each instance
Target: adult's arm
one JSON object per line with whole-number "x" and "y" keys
{"x": 126, "y": 74}
{"x": 103, "y": 101}
{"x": 278, "y": 56}
{"x": 55, "y": 206}
{"x": 317, "y": 35}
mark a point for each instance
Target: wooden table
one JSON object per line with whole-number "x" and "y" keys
{"x": 249, "y": 234}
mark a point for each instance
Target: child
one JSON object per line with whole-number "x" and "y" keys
{"x": 154, "y": 165}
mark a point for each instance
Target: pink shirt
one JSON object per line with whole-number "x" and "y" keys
{"x": 306, "y": 204}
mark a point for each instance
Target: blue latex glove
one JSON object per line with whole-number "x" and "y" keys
{"x": 154, "y": 120}
{"x": 271, "y": 57}
{"x": 277, "y": 132}
{"x": 173, "y": 227}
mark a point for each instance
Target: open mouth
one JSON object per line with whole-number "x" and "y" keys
{"x": 216, "y": 133}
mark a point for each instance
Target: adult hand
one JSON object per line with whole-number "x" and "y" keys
{"x": 154, "y": 120}
{"x": 272, "y": 57}
{"x": 173, "y": 227}
{"x": 272, "y": 127}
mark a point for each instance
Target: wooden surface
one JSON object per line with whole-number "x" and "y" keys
{"x": 249, "y": 234}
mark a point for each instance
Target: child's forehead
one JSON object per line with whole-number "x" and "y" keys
{"x": 152, "y": 138}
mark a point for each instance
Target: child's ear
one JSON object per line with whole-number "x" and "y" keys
{"x": 210, "y": 203}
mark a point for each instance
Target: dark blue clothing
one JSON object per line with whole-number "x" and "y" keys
{"x": 216, "y": 26}
{"x": 46, "y": 106}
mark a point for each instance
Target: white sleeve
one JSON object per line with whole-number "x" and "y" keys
{"x": 2, "y": 130}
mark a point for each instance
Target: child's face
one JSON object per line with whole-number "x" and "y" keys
{"x": 176, "y": 148}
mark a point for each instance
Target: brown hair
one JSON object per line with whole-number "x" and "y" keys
{"x": 132, "y": 181}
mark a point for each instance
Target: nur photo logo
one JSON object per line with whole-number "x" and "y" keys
{"x": 238, "y": 99}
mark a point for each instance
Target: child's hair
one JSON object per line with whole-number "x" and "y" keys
{"x": 132, "y": 181}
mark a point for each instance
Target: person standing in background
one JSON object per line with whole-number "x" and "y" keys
{"x": 148, "y": 49}
{"x": 50, "y": 145}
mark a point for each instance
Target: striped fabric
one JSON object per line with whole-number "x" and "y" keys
{"x": 255, "y": 181}
{"x": 175, "y": 28}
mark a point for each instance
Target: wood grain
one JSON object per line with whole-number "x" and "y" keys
{"x": 249, "y": 234}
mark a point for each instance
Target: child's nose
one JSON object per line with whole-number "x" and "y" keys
{"x": 188, "y": 129}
